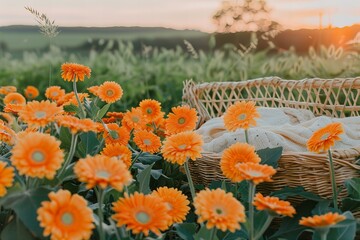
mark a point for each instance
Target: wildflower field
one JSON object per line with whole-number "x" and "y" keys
{"x": 98, "y": 146}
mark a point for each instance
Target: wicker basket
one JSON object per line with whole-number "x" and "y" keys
{"x": 333, "y": 97}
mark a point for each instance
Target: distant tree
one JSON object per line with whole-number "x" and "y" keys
{"x": 244, "y": 15}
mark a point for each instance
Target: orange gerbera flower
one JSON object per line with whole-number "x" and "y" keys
{"x": 235, "y": 154}
{"x": 9, "y": 119}
{"x": 14, "y": 98}
{"x": 66, "y": 216}
{"x": 40, "y": 113}
{"x": 182, "y": 119}
{"x": 110, "y": 92}
{"x": 150, "y": 108}
{"x": 274, "y": 205}
{"x": 94, "y": 90}
{"x": 74, "y": 71}
{"x": 134, "y": 119}
{"x": 31, "y": 92}
{"x": 119, "y": 151}
{"x": 319, "y": 221}
{"x": 257, "y": 173}
{"x": 7, "y": 135}
{"x": 147, "y": 141}
{"x": 102, "y": 171}
{"x": 37, "y": 155}
{"x": 219, "y": 209}
{"x": 117, "y": 115}
{"x": 6, "y": 177}
{"x": 76, "y": 125}
{"x": 324, "y": 138}
{"x": 70, "y": 98}
{"x": 177, "y": 203}
{"x": 116, "y": 135}
{"x": 54, "y": 93}
{"x": 5, "y": 90}
{"x": 141, "y": 213}
{"x": 241, "y": 115}
{"x": 178, "y": 147}
{"x": 13, "y": 108}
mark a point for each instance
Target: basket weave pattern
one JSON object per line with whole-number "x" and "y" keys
{"x": 330, "y": 97}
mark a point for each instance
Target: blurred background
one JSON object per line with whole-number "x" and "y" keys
{"x": 151, "y": 46}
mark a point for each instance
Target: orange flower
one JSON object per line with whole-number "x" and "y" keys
{"x": 219, "y": 209}
{"x": 324, "y": 138}
{"x": 40, "y": 113}
{"x": 257, "y": 173}
{"x": 134, "y": 119}
{"x": 235, "y": 154}
{"x": 76, "y": 125}
{"x": 94, "y": 90}
{"x": 109, "y": 120}
{"x": 150, "y": 108}
{"x": 9, "y": 119}
{"x": 117, "y": 115}
{"x": 5, "y": 90}
{"x": 319, "y": 221}
{"x": 141, "y": 213}
{"x": 119, "y": 151}
{"x": 7, "y": 135}
{"x": 177, "y": 203}
{"x": 6, "y": 177}
{"x": 31, "y": 92}
{"x": 70, "y": 98}
{"x": 13, "y": 108}
{"x": 183, "y": 145}
{"x": 14, "y": 98}
{"x": 54, "y": 93}
{"x": 241, "y": 115}
{"x": 66, "y": 216}
{"x": 182, "y": 119}
{"x": 118, "y": 134}
{"x": 274, "y": 205}
{"x": 37, "y": 155}
{"x": 74, "y": 71}
{"x": 147, "y": 141}
{"x": 110, "y": 92}
{"x": 102, "y": 171}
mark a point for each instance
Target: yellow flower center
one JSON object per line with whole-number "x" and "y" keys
{"x": 142, "y": 217}
{"x": 14, "y": 101}
{"x": 38, "y": 156}
{"x": 254, "y": 173}
{"x": 219, "y": 211}
{"x": 135, "y": 119}
{"x": 169, "y": 206}
{"x": 54, "y": 94}
{"x": 102, "y": 174}
{"x": 67, "y": 218}
{"x": 181, "y": 120}
{"x": 147, "y": 142}
{"x": 109, "y": 93}
{"x": 182, "y": 146}
{"x": 40, "y": 114}
{"x": 114, "y": 134}
{"x": 324, "y": 137}
{"x": 149, "y": 111}
{"x": 242, "y": 117}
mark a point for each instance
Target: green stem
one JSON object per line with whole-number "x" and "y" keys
{"x": 100, "y": 197}
{"x": 333, "y": 182}
{"x": 135, "y": 159}
{"x": 213, "y": 233}
{"x": 323, "y": 233}
{"x": 139, "y": 236}
{"x": 252, "y": 188}
{"x": 246, "y": 136}
{"x": 70, "y": 154}
{"x": 264, "y": 227}
{"x": 188, "y": 175}
{"x": 82, "y": 112}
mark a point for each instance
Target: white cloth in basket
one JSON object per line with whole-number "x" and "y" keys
{"x": 286, "y": 127}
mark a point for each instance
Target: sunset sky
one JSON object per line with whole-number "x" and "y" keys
{"x": 179, "y": 14}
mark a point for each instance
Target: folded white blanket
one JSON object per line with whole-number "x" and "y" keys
{"x": 286, "y": 127}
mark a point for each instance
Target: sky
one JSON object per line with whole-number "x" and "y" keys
{"x": 178, "y": 14}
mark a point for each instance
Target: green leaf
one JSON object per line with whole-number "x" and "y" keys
{"x": 71, "y": 108}
{"x": 296, "y": 191}
{"x": 16, "y": 230}
{"x": 65, "y": 138}
{"x": 26, "y": 205}
{"x": 350, "y": 204}
{"x": 260, "y": 218}
{"x": 185, "y": 230}
{"x": 147, "y": 158}
{"x": 322, "y": 207}
{"x": 353, "y": 187}
{"x": 204, "y": 234}
{"x": 103, "y": 111}
{"x": 89, "y": 144}
{"x": 143, "y": 177}
{"x": 270, "y": 156}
